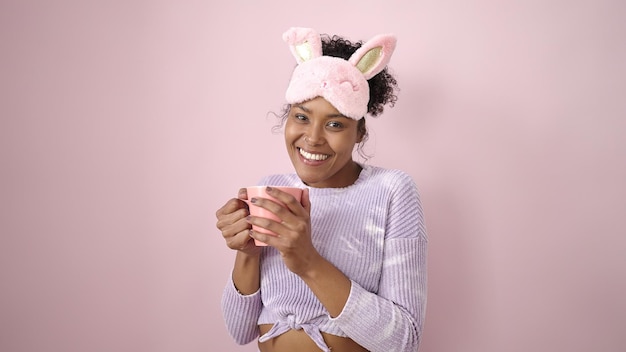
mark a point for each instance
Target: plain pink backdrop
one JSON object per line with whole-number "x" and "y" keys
{"x": 124, "y": 125}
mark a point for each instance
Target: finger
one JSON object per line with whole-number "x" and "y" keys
{"x": 231, "y": 229}
{"x": 290, "y": 201}
{"x": 286, "y": 221}
{"x": 232, "y": 223}
{"x": 243, "y": 193}
{"x": 269, "y": 240}
{"x": 240, "y": 240}
{"x": 234, "y": 203}
{"x": 264, "y": 223}
{"x": 230, "y": 215}
{"x": 269, "y": 205}
{"x": 230, "y": 207}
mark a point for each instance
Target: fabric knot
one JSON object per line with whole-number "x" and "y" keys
{"x": 291, "y": 322}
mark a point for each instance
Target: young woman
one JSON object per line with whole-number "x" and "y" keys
{"x": 347, "y": 269}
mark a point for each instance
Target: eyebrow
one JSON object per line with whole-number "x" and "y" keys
{"x": 308, "y": 111}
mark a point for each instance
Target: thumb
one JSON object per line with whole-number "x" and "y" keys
{"x": 306, "y": 201}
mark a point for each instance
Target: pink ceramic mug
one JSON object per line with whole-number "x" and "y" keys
{"x": 259, "y": 192}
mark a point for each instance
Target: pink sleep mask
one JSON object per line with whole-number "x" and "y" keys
{"x": 343, "y": 83}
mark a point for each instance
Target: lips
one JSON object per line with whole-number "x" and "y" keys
{"x": 312, "y": 156}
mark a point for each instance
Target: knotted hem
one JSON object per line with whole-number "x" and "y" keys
{"x": 282, "y": 326}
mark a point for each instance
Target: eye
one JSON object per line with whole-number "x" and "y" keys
{"x": 334, "y": 125}
{"x": 300, "y": 117}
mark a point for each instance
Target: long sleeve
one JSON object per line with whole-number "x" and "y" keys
{"x": 241, "y": 313}
{"x": 393, "y": 317}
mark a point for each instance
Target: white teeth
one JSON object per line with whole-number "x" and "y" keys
{"x": 310, "y": 156}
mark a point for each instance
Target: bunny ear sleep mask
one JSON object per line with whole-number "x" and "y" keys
{"x": 343, "y": 83}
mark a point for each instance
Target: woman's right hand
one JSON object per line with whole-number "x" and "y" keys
{"x": 231, "y": 220}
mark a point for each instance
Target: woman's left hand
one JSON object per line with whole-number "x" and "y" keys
{"x": 293, "y": 239}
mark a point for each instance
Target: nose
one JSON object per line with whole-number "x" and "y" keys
{"x": 314, "y": 136}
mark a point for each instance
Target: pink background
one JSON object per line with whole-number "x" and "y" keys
{"x": 126, "y": 124}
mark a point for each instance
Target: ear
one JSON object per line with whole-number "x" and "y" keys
{"x": 374, "y": 55}
{"x": 305, "y": 43}
{"x": 361, "y": 130}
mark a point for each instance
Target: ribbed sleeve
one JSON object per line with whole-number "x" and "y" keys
{"x": 393, "y": 318}
{"x": 241, "y": 313}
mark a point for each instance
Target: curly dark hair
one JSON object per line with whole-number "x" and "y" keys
{"x": 382, "y": 86}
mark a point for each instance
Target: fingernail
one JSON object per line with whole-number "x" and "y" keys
{"x": 253, "y": 200}
{"x": 268, "y": 189}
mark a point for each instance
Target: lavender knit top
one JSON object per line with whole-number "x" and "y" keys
{"x": 374, "y": 232}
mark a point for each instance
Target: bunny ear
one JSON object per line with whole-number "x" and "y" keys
{"x": 305, "y": 43}
{"x": 374, "y": 55}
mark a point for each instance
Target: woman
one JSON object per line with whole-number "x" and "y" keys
{"x": 347, "y": 269}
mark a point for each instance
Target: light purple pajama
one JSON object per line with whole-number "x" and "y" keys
{"x": 374, "y": 232}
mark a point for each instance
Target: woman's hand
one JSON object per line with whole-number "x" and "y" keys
{"x": 231, "y": 220}
{"x": 293, "y": 239}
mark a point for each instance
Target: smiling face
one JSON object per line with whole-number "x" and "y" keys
{"x": 320, "y": 141}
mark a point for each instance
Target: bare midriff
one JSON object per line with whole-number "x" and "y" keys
{"x": 298, "y": 340}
